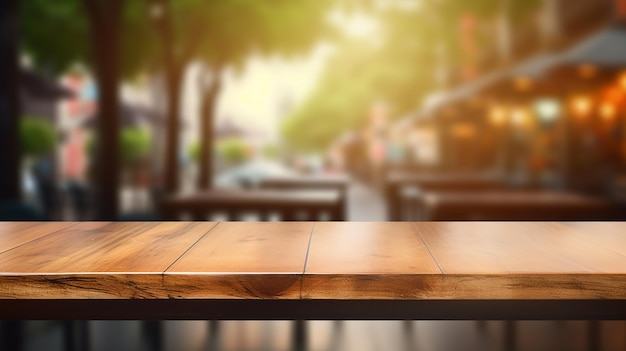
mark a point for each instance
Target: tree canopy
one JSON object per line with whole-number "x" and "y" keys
{"x": 56, "y": 36}
{"x": 413, "y": 43}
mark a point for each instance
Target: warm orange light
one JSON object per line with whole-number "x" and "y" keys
{"x": 520, "y": 116}
{"x": 614, "y": 95}
{"x": 587, "y": 71}
{"x": 523, "y": 84}
{"x": 463, "y": 130}
{"x": 581, "y": 105}
{"x": 607, "y": 110}
{"x": 622, "y": 81}
{"x": 497, "y": 115}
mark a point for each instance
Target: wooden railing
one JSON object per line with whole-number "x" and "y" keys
{"x": 259, "y": 205}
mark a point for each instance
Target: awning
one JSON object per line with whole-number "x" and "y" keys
{"x": 605, "y": 49}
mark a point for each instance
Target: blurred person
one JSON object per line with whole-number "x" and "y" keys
{"x": 74, "y": 173}
{"x": 43, "y": 173}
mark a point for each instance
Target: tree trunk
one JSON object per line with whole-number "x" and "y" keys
{"x": 105, "y": 17}
{"x": 207, "y": 120}
{"x": 9, "y": 102}
{"x": 174, "y": 71}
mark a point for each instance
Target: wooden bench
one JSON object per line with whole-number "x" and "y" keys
{"x": 337, "y": 183}
{"x": 511, "y": 205}
{"x": 287, "y": 205}
{"x": 400, "y": 182}
{"x": 313, "y": 270}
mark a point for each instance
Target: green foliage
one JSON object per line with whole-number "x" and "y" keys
{"x": 233, "y": 150}
{"x": 400, "y": 70}
{"x": 271, "y": 151}
{"x": 193, "y": 151}
{"x": 135, "y": 144}
{"x": 37, "y": 136}
{"x": 56, "y": 35}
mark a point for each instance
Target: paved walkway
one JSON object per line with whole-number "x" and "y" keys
{"x": 365, "y": 204}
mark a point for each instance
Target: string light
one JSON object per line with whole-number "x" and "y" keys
{"x": 497, "y": 115}
{"x": 547, "y": 109}
{"x": 607, "y": 110}
{"x": 581, "y": 105}
{"x": 520, "y": 116}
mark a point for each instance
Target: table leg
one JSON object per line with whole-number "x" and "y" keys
{"x": 510, "y": 336}
{"x": 153, "y": 331}
{"x": 11, "y": 335}
{"x": 593, "y": 335}
{"x": 299, "y": 335}
{"x": 214, "y": 341}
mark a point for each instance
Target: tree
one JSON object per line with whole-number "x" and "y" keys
{"x": 221, "y": 34}
{"x": 105, "y": 21}
{"x": 59, "y": 34}
{"x": 415, "y": 43}
{"x": 271, "y": 27}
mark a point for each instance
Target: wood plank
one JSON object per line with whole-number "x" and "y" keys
{"x": 366, "y": 260}
{"x": 610, "y": 235}
{"x": 243, "y": 260}
{"x": 115, "y": 260}
{"x": 522, "y": 260}
{"x": 517, "y": 247}
{"x": 14, "y": 234}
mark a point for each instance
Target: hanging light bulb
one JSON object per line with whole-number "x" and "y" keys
{"x": 547, "y": 109}
{"x": 520, "y": 117}
{"x": 497, "y": 115}
{"x": 581, "y": 105}
{"x": 607, "y": 110}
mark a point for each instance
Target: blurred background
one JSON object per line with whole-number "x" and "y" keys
{"x": 376, "y": 110}
{"x": 315, "y": 110}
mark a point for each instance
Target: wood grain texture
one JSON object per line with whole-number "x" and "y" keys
{"x": 465, "y": 286}
{"x": 67, "y": 263}
{"x": 82, "y": 286}
{"x": 14, "y": 234}
{"x": 323, "y": 260}
{"x": 366, "y": 260}
{"x": 252, "y": 260}
{"x": 105, "y": 247}
{"x": 517, "y": 247}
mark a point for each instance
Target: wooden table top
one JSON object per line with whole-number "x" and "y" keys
{"x": 321, "y": 260}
